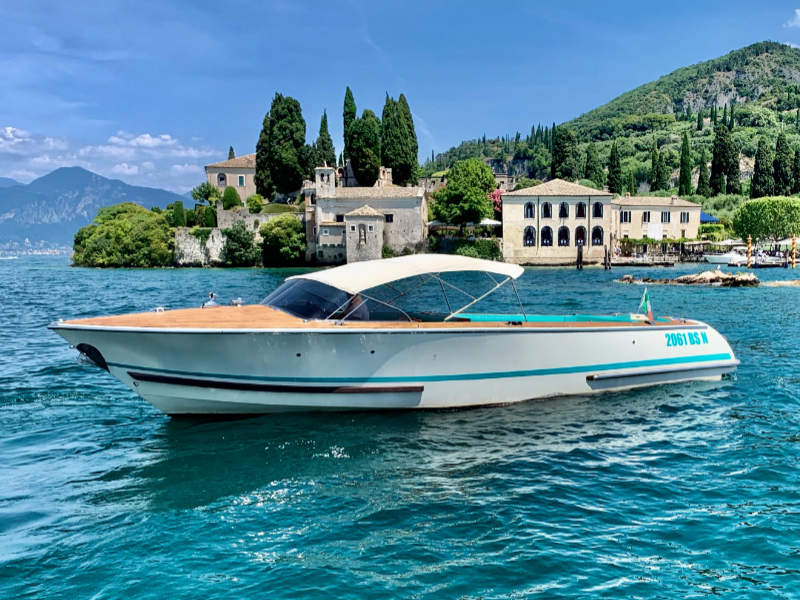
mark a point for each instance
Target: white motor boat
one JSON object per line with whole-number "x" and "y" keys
{"x": 724, "y": 259}
{"x": 343, "y": 338}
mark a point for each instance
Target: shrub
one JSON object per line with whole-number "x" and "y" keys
{"x": 210, "y": 217}
{"x": 124, "y": 235}
{"x": 386, "y": 252}
{"x": 175, "y": 214}
{"x": 231, "y": 199}
{"x": 240, "y": 249}
{"x": 255, "y": 203}
{"x": 284, "y": 241}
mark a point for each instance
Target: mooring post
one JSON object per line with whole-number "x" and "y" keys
{"x": 579, "y": 262}
{"x": 749, "y": 251}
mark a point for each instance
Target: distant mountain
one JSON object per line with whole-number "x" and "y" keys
{"x": 8, "y": 182}
{"x": 52, "y": 208}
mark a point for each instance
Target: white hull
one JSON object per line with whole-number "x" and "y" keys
{"x": 261, "y": 371}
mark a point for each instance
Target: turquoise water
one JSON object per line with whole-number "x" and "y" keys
{"x": 683, "y": 491}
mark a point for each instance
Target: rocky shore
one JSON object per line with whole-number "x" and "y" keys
{"x": 715, "y": 278}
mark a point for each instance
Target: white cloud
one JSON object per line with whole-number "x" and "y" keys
{"x": 125, "y": 169}
{"x": 145, "y": 140}
{"x": 795, "y": 20}
{"x": 186, "y": 169}
{"x": 792, "y": 44}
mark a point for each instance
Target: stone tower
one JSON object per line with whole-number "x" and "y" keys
{"x": 325, "y": 180}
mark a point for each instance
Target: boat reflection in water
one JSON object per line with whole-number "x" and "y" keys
{"x": 351, "y": 338}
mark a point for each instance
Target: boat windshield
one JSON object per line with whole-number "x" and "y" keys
{"x": 307, "y": 299}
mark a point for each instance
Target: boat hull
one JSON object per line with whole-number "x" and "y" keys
{"x": 263, "y": 371}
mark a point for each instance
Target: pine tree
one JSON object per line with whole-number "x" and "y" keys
{"x": 594, "y": 168}
{"x": 231, "y": 153}
{"x": 762, "y": 183}
{"x": 685, "y": 177}
{"x": 348, "y": 116}
{"x": 796, "y": 172}
{"x": 631, "y": 187}
{"x": 325, "y": 152}
{"x": 703, "y": 185}
{"x": 700, "y": 120}
{"x": 615, "y": 184}
{"x": 782, "y": 167}
{"x": 411, "y": 158}
{"x": 654, "y": 166}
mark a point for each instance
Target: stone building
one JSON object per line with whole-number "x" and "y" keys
{"x": 403, "y": 211}
{"x": 545, "y": 224}
{"x": 239, "y": 172}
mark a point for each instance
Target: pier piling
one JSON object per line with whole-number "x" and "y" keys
{"x": 749, "y": 252}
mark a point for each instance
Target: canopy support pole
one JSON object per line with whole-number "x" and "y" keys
{"x": 478, "y": 299}
{"x": 519, "y": 301}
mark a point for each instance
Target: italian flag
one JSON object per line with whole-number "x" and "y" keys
{"x": 645, "y": 307}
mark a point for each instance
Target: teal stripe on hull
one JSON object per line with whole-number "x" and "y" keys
{"x": 655, "y": 362}
{"x": 487, "y": 318}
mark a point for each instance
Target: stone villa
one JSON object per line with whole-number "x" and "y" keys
{"x": 545, "y": 224}
{"x": 239, "y": 172}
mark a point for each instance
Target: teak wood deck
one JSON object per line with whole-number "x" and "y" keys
{"x": 257, "y": 316}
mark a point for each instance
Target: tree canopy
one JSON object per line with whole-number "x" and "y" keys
{"x": 685, "y": 177}
{"x": 594, "y": 168}
{"x": 782, "y": 167}
{"x": 365, "y": 148}
{"x": 770, "y": 218}
{"x": 348, "y": 117}
{"x": 284, "y": 241}
{"x": 231, "y": 198}
{"x": 205, "y": 192}
{"x": 466, "y": 197}
{"x": 566, "y": 161}
{"x": 239, "y": 249}
{"x": 762, "y": 183}
{"x": 615, "y": 183}
{"x": 281, "y": 162}
{"x": 325, "y": 153}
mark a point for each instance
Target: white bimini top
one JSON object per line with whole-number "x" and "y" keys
{"x": 359, "y": 276}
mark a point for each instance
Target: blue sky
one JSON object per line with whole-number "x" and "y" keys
{"x": 149, "y": 92}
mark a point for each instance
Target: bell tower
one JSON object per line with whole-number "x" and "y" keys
{"x": 325, "y": 180}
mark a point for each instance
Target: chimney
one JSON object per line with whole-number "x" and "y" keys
{"x": 673, "y": 199}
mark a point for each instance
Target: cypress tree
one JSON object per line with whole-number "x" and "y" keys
{"x": 565, "y": 163}
{"x": 365, "y": 146}
{"x": 719, "y": 159}
{"x": 685, "y": 177}
{"x": 654, "y": 167}
{"x": 731, "y": 122}
{"x": 703, "y": 184}
{"x": 797, "y": 119}
{"x": 411, "y": 157}
{"x": 396, "y": 152}
{"x": 664, "y": 173}
{"x": 615, "y": 184}
{"x": 631, "y": 187}
{"x": 348, "y": 116}
{"x": 725, "y": 116}
{"x": 796, "y": 172}
{"x": 594, "y": 168}
{"x": 285, "y": 141}
{"x": 733, "y": 178}
{"x": 700, "y": 120}
{"x": 762, "y": 182}
{"x": 714, "y": 116}
{"x": 325, "y": 152}
{"x": 231, "y": 153}
{"x": 263, "y": 179}
{"x": 782, "y": 167}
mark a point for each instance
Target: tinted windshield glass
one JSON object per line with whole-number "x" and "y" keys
{"x": 306, "y": 299}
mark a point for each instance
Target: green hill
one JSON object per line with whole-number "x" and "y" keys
{"x": 761, "y": 82}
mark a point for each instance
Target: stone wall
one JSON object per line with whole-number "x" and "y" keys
{"x": 190, "y": 251}
{"x": 226, "y": 218}
{"x": 364, "y": 238}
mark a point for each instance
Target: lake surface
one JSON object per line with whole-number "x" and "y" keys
{"x": 688, "y": 491}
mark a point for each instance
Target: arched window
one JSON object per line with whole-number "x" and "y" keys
{"x": 547, "y": 210}
{"x": 563, "y": 236}
{"x": 529, "y": 210}
{"x": 222, "y": 179}
{"x": 547, "y": 236}
{"x": 580, "y": 210}
{"x": 597, "y": 209}
{"x": 563, "y": 210}
{"x": 597, "y": 236}
{"x": 580, "y": 236}
{"x": 529, "y": 237}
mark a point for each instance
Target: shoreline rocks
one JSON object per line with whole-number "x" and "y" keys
{"x": 713, "y": 278}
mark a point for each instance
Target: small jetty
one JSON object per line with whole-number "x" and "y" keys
{"x": 713, "y": 278}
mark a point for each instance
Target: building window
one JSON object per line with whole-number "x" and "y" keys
{"x": 665, "y": 216}
{"x": 624, "y": 216}
{"x": 222, "y": 180}
{"x": 547, "y": 211}
{"x": 241, "y": 180}
{"x": 597, "y": 210}
{"x": 325, "y": 232}
{"x": 547, "y": 236}
{"x": 340, "y": 218}
{"x": 646, "y": 216}
{"x": 597, "y": 236}
{"x": 563, "y": 210}
{"x": 529, "y": 213}
{"x": 529, "y": 237}
{"x": 371, "y": 228}
{"x": 563, "y": 236}
{"x": 580, "y": 236}
{"x": 580, "y": 210}
{"x": 352, "y": 227}
{"x": 388, "y": 217}
{"x": 685, "y": 216}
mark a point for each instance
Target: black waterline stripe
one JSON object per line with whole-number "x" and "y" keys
{"x": 269, "y": 387}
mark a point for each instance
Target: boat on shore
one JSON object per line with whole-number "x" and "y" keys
{"x": 346, "y": 338}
